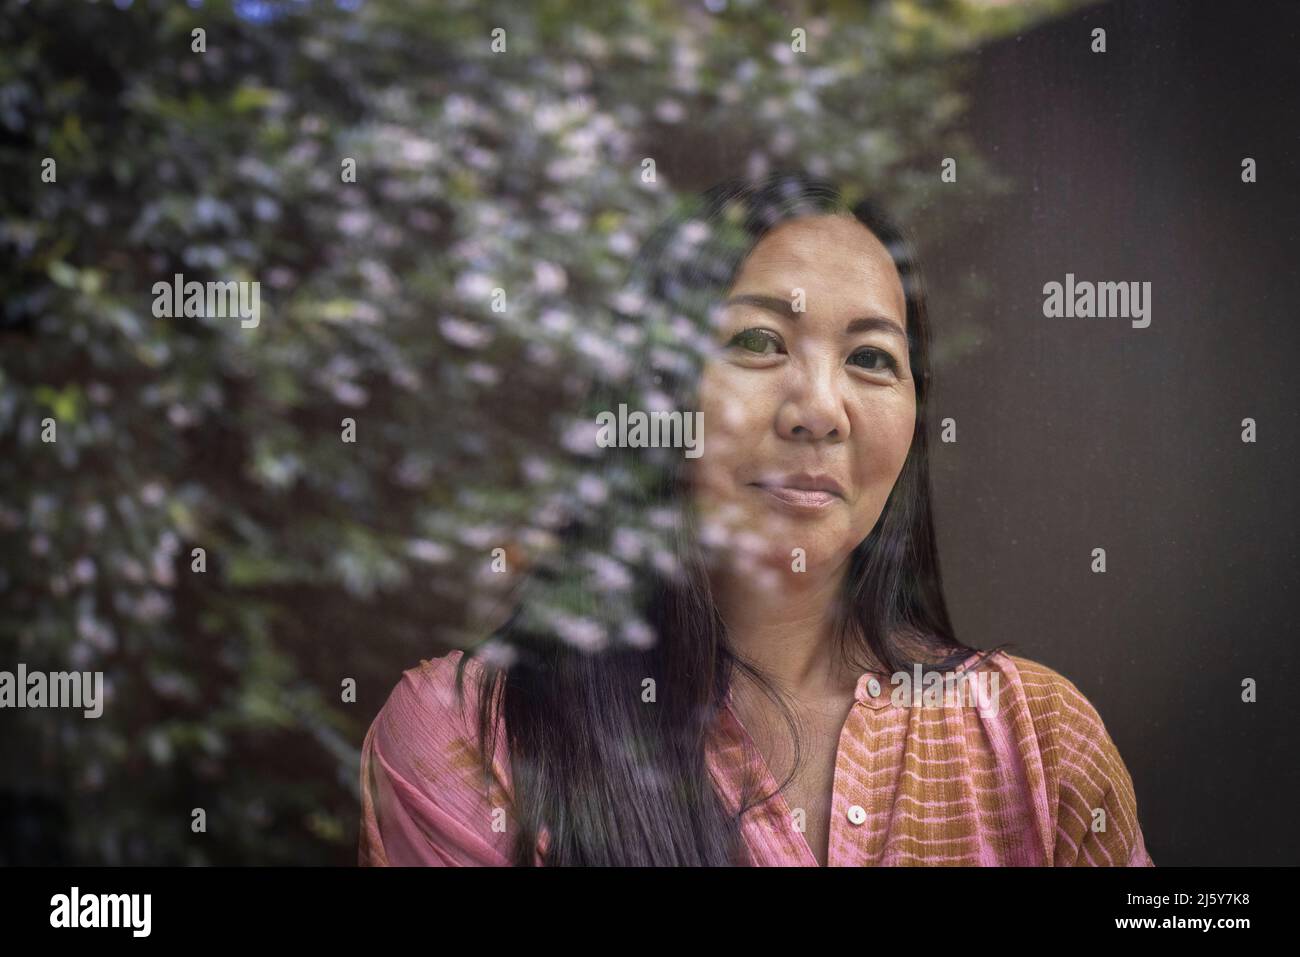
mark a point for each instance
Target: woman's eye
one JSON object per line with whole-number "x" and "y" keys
{"x": 870, "y": 358}
{"x": 756, "y": 341}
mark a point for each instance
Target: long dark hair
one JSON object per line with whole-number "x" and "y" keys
{"x": 616, "y": 776}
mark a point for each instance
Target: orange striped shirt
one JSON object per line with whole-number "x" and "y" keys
{"x": 1026, "y": 777}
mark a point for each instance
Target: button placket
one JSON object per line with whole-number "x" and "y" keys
{"x": 873, "y": 694}
{"x": 853, "y": 725}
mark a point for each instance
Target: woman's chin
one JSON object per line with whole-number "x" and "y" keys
{"x": 771, "y": 561}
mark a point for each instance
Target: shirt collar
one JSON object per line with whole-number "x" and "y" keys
{"x": 875, "y": 689}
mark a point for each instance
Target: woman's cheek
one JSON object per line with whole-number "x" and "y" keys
{"x": 880, "y": 467}
{"x": 708, "y": 472}
{"x": 731, "y": 422}
{"x": 733, "y": 430}
{"x": 898, "y": 442}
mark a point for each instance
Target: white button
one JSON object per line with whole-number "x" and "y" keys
{"x": 873, "y": 688}
{"x": 857, "y": 815}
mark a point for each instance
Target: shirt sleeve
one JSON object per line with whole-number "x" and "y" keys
{"x": 1096, "y": 818}
{"x": 424, "y": 797}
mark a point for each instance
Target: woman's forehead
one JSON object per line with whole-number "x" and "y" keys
{"x": 832, "y": 256}
{"x": 809, "y": 240}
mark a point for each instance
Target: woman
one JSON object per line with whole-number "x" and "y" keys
{"x": 757, "y": 709}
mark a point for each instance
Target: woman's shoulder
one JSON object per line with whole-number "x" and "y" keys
{"x": 1035, "y": 693}
{"x": 428, "y": 795}
{"x": 435, "y": 700}
{"x": 1084, "y": 772}
{"x": 434, "y": 710}
{"x": 1052, "y": 698}
{"x": 437, "y": 678}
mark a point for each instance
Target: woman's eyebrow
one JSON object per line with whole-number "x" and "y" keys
{"x": 785, "y": 308}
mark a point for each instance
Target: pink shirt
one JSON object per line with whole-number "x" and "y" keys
{"x": 1034, "y": 781}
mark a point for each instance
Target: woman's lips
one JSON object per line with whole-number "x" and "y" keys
{"x": 799, "y": 499}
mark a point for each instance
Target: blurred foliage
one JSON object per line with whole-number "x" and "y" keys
{"x": 328, "y": 560}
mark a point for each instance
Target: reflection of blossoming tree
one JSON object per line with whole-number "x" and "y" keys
{"x": 454, "y": 300}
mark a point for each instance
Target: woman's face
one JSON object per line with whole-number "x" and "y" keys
{"x": 808, "y": 400}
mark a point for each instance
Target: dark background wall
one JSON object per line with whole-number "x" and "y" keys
{"x": 1083, "y": 433}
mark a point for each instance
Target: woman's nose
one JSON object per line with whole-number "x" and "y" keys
{"x": 814, "y": 408}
